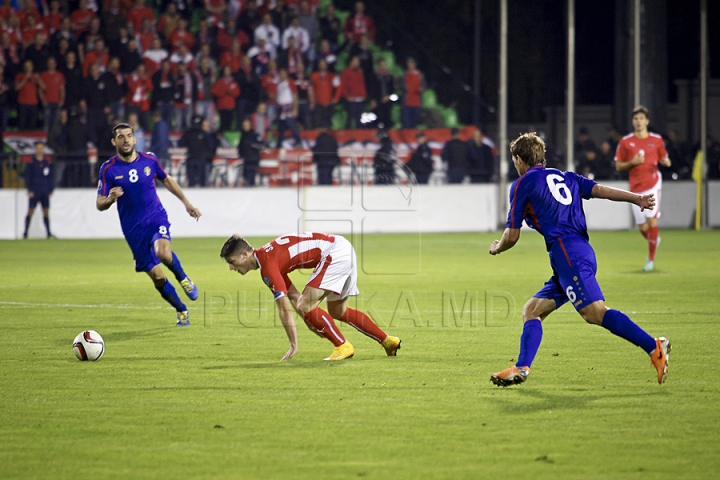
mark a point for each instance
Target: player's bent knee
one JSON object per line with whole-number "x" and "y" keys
{"x": 594, "y": 313}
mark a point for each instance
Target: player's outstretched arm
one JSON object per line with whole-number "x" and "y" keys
{"x": 619, "y": 195}
{"x": 103, "y": 203}
{"x": 175, "y": 189}
{"x": 508, "y": 240}
{"x": 287, "y": 317}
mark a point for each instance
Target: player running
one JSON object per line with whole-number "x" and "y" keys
{"x": 334, "y": 279}
{"x": 550, "y": 201}
{"x": 129, "y": 179}
{"x": 640, "y": 153}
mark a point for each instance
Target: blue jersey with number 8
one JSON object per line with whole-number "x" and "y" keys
{"x": 550, "y": 201}
{"x": 139, "y": 205}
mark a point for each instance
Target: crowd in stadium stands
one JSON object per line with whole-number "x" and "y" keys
{"x": 95, "y": 62}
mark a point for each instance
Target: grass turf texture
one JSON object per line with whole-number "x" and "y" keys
{"x": 214, "y": 401}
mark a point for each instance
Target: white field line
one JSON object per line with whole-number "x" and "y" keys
{"x": 4, "y": 304}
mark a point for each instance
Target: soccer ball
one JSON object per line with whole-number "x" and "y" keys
{"x": 88, "y": 345}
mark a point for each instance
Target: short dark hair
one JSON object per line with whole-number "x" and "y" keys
{"x": 641, "y": 109}
{"x": 234, "y": 245}
{"x": 530, "y": 148}
{"x": 121, "y": 126}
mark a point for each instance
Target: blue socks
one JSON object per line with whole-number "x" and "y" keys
{"x": 176, "y": 268}
{"x": 167, "y": 291}
{"x": 621, "y": 325}
{"x": 529, "y": 342}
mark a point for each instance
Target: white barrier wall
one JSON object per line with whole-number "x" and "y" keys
{"x": 345, "y": 209}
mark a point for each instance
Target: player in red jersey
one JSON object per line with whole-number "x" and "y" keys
{"x": 333, "y": 279}
{"x": 640, "y": 153}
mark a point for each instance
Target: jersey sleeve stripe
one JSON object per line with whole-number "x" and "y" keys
{"x": 105, "y": 185}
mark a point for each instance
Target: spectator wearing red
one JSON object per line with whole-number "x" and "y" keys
{"x": 27, "y": 7}
{"x": 97, "y": 55}
{"x": 269, "y": 83}
{"x": 139, "y": 87}
{"x": 352, "y": 89}
{"x": 7, "y": 10}
{"x": 31, "y": 30}
{"x": 324, "y": 85}
{"x": 214, "y": 10}
{"x": 27, "y": 85}
{"x": 226, "y": 35}
{"x": 181, "y": 36}
{"x": 234, "y": 57}
{"x": 138, "y": 13}
{"x": 13, "y": 30}
{"x": 81, "y": 18}
{"x": 155, "y": 56}
{"x": 359, "y": 24}
{"x": 414, "y": 85}
{"x": 168, "y": 21}
{"x": 145, "y": 36}
{"x": 225, "y": 91}
{"x": 53, "y": 18}
{"x": 52, "y": 96}
{"x": 183, "y": 55}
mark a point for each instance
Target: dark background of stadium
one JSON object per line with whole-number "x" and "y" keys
{"x": 440, "y": 35}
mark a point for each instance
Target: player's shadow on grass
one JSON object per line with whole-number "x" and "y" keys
{"x": 273, "y": 364}
{"x": 538, "y": 401}
{"x": 131, "y": 335}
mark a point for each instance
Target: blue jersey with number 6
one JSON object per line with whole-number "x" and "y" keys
{"x": 550, "y": 201}
{"x": 139, "y": 205}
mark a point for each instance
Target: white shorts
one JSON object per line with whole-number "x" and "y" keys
{"x": 337, "y": 271}
{"x": 642, "y": 217}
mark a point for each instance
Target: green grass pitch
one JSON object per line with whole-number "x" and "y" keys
{"x": 214, "y": 401}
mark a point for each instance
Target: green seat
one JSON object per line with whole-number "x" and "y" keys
{"x": 429, "y": 99}
{"x": 233, "y": 138}
{"x": 395, "y": 113}
{"x": 451, "y": 119}
{"x": 339, "y": 120}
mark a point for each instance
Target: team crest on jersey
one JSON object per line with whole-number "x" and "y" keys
{"x": 147, "y": 171}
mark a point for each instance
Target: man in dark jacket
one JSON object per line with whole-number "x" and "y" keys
{"x": 384, "y": 161}
{"x": 455, "y": 154}
{"x": 421, "y": 163}
{"x": 481, "y": 160}
{"x": 249, "y": 150}
{"x": 325, "y": 157}
{"x": 39, "y": 184}
{"x": 200, "y": 152}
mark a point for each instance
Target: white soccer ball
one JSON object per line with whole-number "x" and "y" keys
{"x": 88, "y": 345}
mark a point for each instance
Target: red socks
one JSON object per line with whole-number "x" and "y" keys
{"x": 320, "y": 322}
{"x": 652, "y": 236}
{"x": 363, "y": 324}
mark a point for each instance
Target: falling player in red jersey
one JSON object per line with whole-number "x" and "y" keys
{"x": 333, "y": 279}
{"x": 640, "y": 153}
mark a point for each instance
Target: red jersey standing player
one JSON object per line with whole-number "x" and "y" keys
{"x": 334, "y": 279}
{"x": 640, "y": 153}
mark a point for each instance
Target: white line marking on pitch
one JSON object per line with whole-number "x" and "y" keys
{"x": 73, "y": 305}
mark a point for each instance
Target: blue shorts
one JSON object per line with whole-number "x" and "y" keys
{"x": 44, "y": 201}
{"x": 142, "y": 241}
{"x": 574, "y": 267}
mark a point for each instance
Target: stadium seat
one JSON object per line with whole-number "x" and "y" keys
{"x": 429, "y": 99}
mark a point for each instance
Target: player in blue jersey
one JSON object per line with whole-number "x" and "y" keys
{"x": 550, "y": 201}
{"x": 129, "y": 178}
